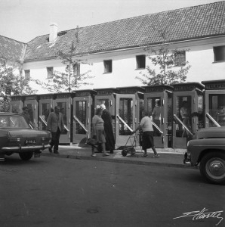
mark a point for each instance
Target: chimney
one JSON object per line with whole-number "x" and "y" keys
{"x": 53, "y": 32}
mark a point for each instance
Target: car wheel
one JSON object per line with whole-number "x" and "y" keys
{"x": 212, "y": 167}
{"x": 26, "y": 156}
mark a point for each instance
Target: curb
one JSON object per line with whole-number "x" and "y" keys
{"x": 127, "y": 161}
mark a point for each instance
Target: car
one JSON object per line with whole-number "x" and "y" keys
{"x": 207, "y": 151}
{"x": 16, "y": 136}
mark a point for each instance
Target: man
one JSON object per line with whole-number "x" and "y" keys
{"x": 147, "y": 136}
{"x": 107, "y": 118}
{"x": 55, "y": 125}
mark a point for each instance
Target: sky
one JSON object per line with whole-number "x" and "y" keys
{"x": 23, "y": 20}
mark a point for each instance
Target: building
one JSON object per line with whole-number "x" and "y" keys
{"x": 114, "y": 53}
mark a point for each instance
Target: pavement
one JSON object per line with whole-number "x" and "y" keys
{"x": 167, "y": 156}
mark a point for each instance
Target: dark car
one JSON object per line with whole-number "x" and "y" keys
{"x": 16, "y": 136}
{"x": 207, "y": 151}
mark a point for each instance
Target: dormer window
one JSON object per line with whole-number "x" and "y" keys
{"x": 108, "y": 66}
{"x": 140, "y": 60}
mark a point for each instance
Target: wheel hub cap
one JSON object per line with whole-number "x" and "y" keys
{"x": 217, "y": 168}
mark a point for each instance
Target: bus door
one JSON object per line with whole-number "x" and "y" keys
{"x": 16, "y": 104}
{"x": 125, "y": 118}
{"x": 63, "y": 101}
{"x": 32, "y": 104}
{"x": 45, "y": 107}
{"x": 187, "y": 109}
{"x": 82, "y": 115}
{"x": 214, "y": 103}
{"x": 159, "y": 105}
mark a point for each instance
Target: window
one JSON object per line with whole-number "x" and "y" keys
{"x": 140, "y": 59}
{"x": 108, "y": 66}
{"x": 27, "y": 74}
{"x": 76, "y": 69}
{"x": 219, "y": 53}
{"x": 179, "y": 58}
{"x": 49, "y": 72}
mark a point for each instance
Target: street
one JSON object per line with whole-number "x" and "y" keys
{"x": 60, "y": 192}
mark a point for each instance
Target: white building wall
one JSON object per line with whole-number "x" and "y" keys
{"x": 199, "y": 55}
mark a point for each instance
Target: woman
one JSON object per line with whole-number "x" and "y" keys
{"x": 147, "y": 136}
{"x": 98, "y": 130}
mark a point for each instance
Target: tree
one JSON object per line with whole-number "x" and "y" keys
{"x": 12, "y": 83}
{"x": 162, "y": 70}
{"x": 71, "y": 79}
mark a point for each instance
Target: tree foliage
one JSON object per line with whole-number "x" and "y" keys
{"x": 163, "y": 69}
{"x": 12, "y": 82}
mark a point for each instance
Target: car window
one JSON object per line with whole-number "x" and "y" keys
{"x": 4, "y": 121}
{"x": 18, "y": 122}
{"x": 15, "y": 121}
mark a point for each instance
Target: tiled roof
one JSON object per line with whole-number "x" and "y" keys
{"x": 181, "y": 24}
{"x": 11, "y": 50}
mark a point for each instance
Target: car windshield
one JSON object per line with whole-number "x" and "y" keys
{"x": 14, "y": 121}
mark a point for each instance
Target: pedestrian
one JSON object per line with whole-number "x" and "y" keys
{"x": 55, "y": 125}
{"x": 107, "y": 118}
{"x": 147, "y": 136}
{"x": 93, "y": 140}
{"x": 98, "y": 130}
{"x": 27, "y": 117}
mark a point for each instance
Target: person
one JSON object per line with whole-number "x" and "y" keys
{"x": 147, "y": 135}
{"x": 94, "y": 142}
{"x": 98, "y": 130}
{"x": 156, "y": 114}
{"x": 27, "y": 117}
{"x": 107, "y": 118}
{"x": 185, "y": 115}
{"x": 55, "y": 125}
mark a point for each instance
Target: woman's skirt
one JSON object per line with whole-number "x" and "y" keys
{"x": 100, "y": 136}
{"x": 147, "y": 140}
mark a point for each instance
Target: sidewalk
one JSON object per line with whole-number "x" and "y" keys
{"x": 168, "y": 157}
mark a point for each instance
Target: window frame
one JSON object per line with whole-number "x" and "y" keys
{"x": 27, "y": 74}
{"x": 221, "y": 52}
{"x": 140, "y": 61}
{"x": 50, "y": 73}
{"x": 178, "y": 57}
{"x": 107, "y": 66}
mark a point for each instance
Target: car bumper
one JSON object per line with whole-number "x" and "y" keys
{"x": 25, "y": 148}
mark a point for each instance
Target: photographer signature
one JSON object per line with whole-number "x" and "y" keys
{"x": 202, "y": 214}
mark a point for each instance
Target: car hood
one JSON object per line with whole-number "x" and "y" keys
{"x": 213, "y": 132}
{"x": 27, "y": 133}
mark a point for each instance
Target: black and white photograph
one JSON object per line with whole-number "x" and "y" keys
{"x": 112, "y": 113}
